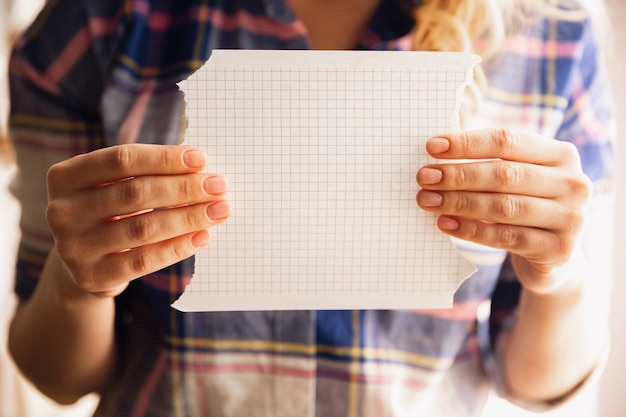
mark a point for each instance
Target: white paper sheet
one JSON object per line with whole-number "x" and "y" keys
{"x": 321, "y": 150}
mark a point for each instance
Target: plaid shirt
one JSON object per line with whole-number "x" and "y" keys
{"x": 92, "y": 73}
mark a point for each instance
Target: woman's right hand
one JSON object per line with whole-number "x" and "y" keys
{"x": 122, "y": 212}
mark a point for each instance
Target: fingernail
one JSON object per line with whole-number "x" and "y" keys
{"x": 430, "y": 199}
{"x": 448, "y": 223}
{"x": 437, "y": 145}
{"x": 215, "y": 185}
{"x": 429, "y": 176}
{"x": 218, "y": 210}
{"x": 200, "y": 239}
{"x": 194, "y": 159}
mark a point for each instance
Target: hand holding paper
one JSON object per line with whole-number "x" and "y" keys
{"x": 321, "y": 150}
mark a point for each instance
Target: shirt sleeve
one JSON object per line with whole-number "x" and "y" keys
{"x": 589, "y": 124}
{"x": 90, "y": 74}
{"x": 58, "y": 71}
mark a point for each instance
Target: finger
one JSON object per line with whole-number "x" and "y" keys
{"x": 501, "y": 208}
{"x": 116, "y": 163}
{"x": 149, "y": 192}
{"x": 155, "y": 226}
{"x": 503, "y": 176}
{"x": 504, "y": 144}
{"x": 536, "y": 245}
{"x": 117, "y": 269}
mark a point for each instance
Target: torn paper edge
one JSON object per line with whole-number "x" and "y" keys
{"x": 356, "y": 59}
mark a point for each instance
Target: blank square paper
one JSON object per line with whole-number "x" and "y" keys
{"x": 320, "y": 150}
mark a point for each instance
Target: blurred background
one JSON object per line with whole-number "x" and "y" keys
{"x": 606, "y": 399}
{"x": 612, "y": 402}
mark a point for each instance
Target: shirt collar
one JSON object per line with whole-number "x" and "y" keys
{"x": 279, "y": 10}
{"x": 392, "y": 20}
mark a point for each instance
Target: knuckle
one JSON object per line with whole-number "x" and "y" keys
{"x": 466, "y": 143}
{"x": 191, "y": 218}
{"x": 506, "y": 207}
{"x": 141, "y": 263}
{"x": 564, "y": 246}
{"x": 133, "y": 192}
{"x": 574, "y": 221}
{"x": 122, "y": 159}
{"x": 476, "y": 233}
{"x": 580, "y": 186}
{"x": 164, "y": 158}
{"x": 462, "y": 203}
{"x": 53, "y": 176}
{"x": 140, "y": 228}
{"x": 507, "y": 175}
{"x": 57, "y": 215}
{"x": 461, "y": 177}
{"x": 587, "y": 186}
{"x": 510, "y": 237}
{"x": 70, "y": 251}
{"x": 570, "y": 151}
{"x": 178, "y": 252}
{"x": 506, "y": 138}
{"x": 574, "y": 217}
{"x": 188, "y": 189}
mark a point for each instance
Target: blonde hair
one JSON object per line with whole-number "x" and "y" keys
{"x": 482, "y": 27}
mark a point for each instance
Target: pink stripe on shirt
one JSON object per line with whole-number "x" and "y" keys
{"x": 24, "y": 69}
{"x": 73, "y": 51}
{"x": 536, "y": 48}
{"x": 145, "y": 394}
{"x": 258, "y": 25}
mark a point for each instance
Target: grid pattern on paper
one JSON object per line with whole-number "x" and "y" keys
{"x": 321, "y": 167}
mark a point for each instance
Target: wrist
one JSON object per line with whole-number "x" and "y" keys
{"x": 572, "y": 290}
{"x": 556, "y": 280}
{"x": 58, "y": 283}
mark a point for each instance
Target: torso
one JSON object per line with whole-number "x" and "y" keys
{"x": 297, "y": 363}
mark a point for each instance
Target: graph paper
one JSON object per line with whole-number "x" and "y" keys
{"x": 321, "y": 150}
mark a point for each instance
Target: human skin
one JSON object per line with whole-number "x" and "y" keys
{"x": 526, "y": 194}
{"x": 530, "y": 199}
{"x": 106, "y": 234}
{"x": 63, "y": 338}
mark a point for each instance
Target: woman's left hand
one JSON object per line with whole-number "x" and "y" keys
{"x": 516, "y": 191}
